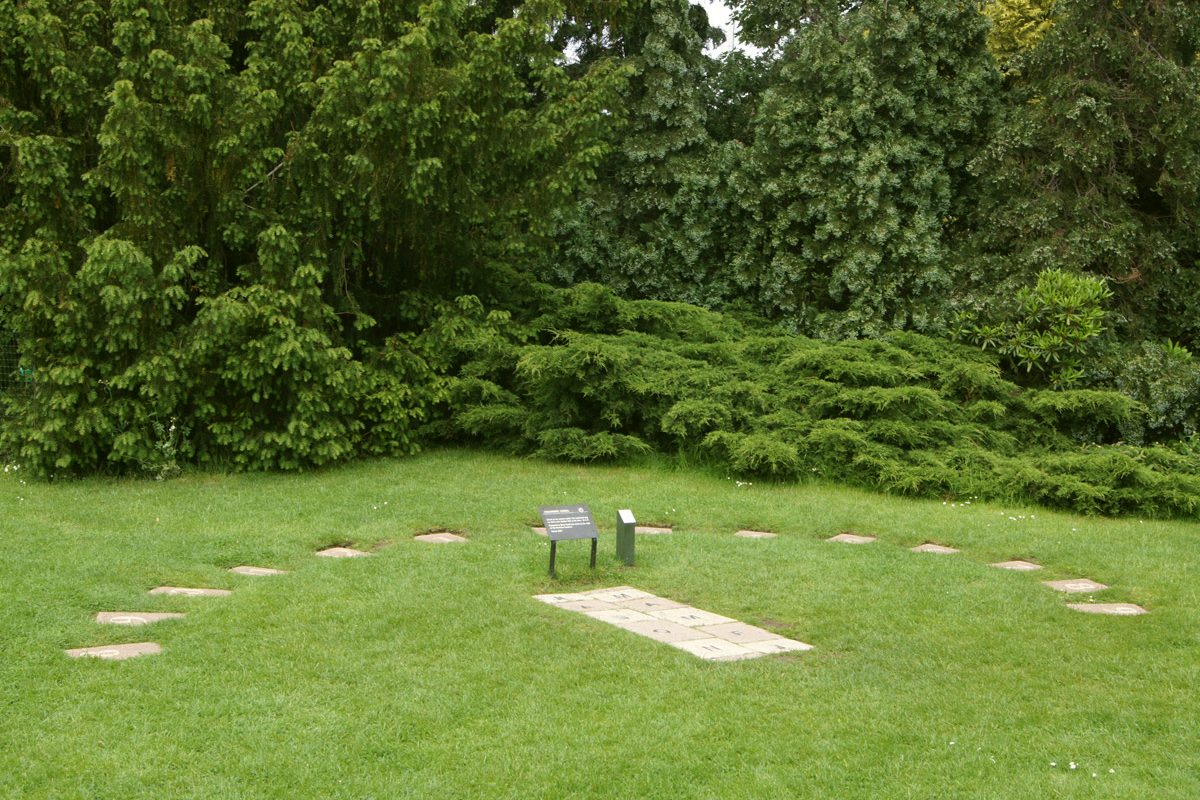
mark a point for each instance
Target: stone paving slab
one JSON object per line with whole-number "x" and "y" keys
{"x": 648, "y": 604}
{"x": 341, "y": 552}
{"x": 440, "y": 538}
{"x": 755, "y": 534}
{"x": 692, "y": 617}
{"x": 930, "y": 547}
{"x": 1017, "y": 565}
{"x": 559, "y": 599}
{"x": 257, "y": 572}
{"x": 780, "y": 645}
{"x": 621, "y": 617}
{"x": 716, "y": 649}
{"x": 1117, "y": 609}
{"x": 851, "y": 538}
{"x": 701, "y": 633}
{"x": 738, "y": 632}
{"x": 134, "y": 617}
{"x": 1076, "y": 585}
{"x": 189, "y": 591}
{"x": 667, "y": 632}
{"x": 651, "y": 530}
{"x": 117, "y": 652}
{"x": 588, "y": 604}
{"x": 619, "y": 594}
{"x": 539, "y": 530}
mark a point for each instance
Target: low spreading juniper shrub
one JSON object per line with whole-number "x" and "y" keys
{"x": 599, "y": 378}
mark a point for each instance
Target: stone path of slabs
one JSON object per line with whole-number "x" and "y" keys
{"x": 120, "y": 652}
{"x": 1069, "y": 586}
{"x": 693, "y": 630}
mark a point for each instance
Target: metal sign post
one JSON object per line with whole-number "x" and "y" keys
{"x": 564, "y": 523}
{"x": 626, "y": 528}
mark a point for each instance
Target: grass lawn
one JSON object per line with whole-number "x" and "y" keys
{"x": 429, "y": 671}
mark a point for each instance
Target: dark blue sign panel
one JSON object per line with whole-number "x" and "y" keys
{"x": 568, "y": 522}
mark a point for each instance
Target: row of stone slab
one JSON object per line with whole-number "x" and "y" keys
{"x": 1069, "y": 586}
{"x": 117, "y": 652}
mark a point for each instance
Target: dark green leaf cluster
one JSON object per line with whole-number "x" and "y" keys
{"x": 219, "y": 213}
{"x": 599, "y": 378}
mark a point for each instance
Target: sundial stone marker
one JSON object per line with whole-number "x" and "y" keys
{"x": 133, "y": 617}
{"x": 117, "y": 652}
{"x": 738, "y": 632}
{"x": 701, "y": 633}
{"x": 1018, "y": 565}
{"x": 652, "y": 530}
{"x": 648, "y": 604}
{"x": 692, "y": 617}
{"x": 539, "y": 530}
{"x": 666, "y": 632}
{"x": 1076, "y": 585}
{"x": 258, "y": 572}
{"x": 1116, "y": 609}
{"x": 619, "y": 594}
{"x": 715, "y": 649}
{"x": 341, "y": 552}
{"x": 560, "y": 599}
{"x": 781, "y": 645}
{"x": 588, "y": 604}
{"x": 755, "y": 534}
{"x": 621, "y": 617}
{"x": 930, "y": 547}
{"x": 189, "y": 591}
{"x": 851, "y": 538}
{"x": 440, "y": 538}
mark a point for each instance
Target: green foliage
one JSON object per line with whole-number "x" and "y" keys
{"x": 1017, "y": 25}
{"x": 852, "y": 187}
{"x": 1164, "y": 379}
{"x": 1048, "y": 327}
{"x": 906, "y": 414}
{"x": 1094, "y": 167}
{"x": 213, "y": 213}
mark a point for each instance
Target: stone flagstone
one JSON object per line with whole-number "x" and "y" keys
{"x": 621, "y": 617}
{"x": 1076, "y": 585}
{"x": 1017, "y": 565}
{"x": 189, "y": 591}
{"x": 851, "y": 538}
{"x": 667, "y": 632}
{"x": 257, "y": 571}
{"x": 648, "y": 604}
{"x": 619, "y": 594}
{"x": 117, "y": 652}
{"x": 440, "y": 538}
{"x": 755, "y": 534}
{"x": 692, "y": 617}
{"x": 539, "y": 530}
{"x": 930, "y": 547}
{"x": 1117, "y": 609}
{"x": 780, "y": 645}
{"x": 133, "y": 617}
{"x": 559, "y": 599}
{"x": 701, "y": 633}
{"x": 341, "y": 552}
{"x": 738, "y": 632}
{"x": 651, "y": 530}
{"x": 715, "y": 649}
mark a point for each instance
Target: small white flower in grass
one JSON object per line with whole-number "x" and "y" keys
{"x": 1093, "y": 774}
{"x": 1112, "y": 772}
{"x": 1073, "y": 765}
{"x": 1054, "y": 763}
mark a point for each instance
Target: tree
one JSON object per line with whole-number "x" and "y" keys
{"x": 205, "y": 207}
{"x": 1095, "y": 166}
{"x": 857, "y": 175}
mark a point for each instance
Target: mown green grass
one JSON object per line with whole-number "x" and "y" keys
{"x": 428, "y": 670}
